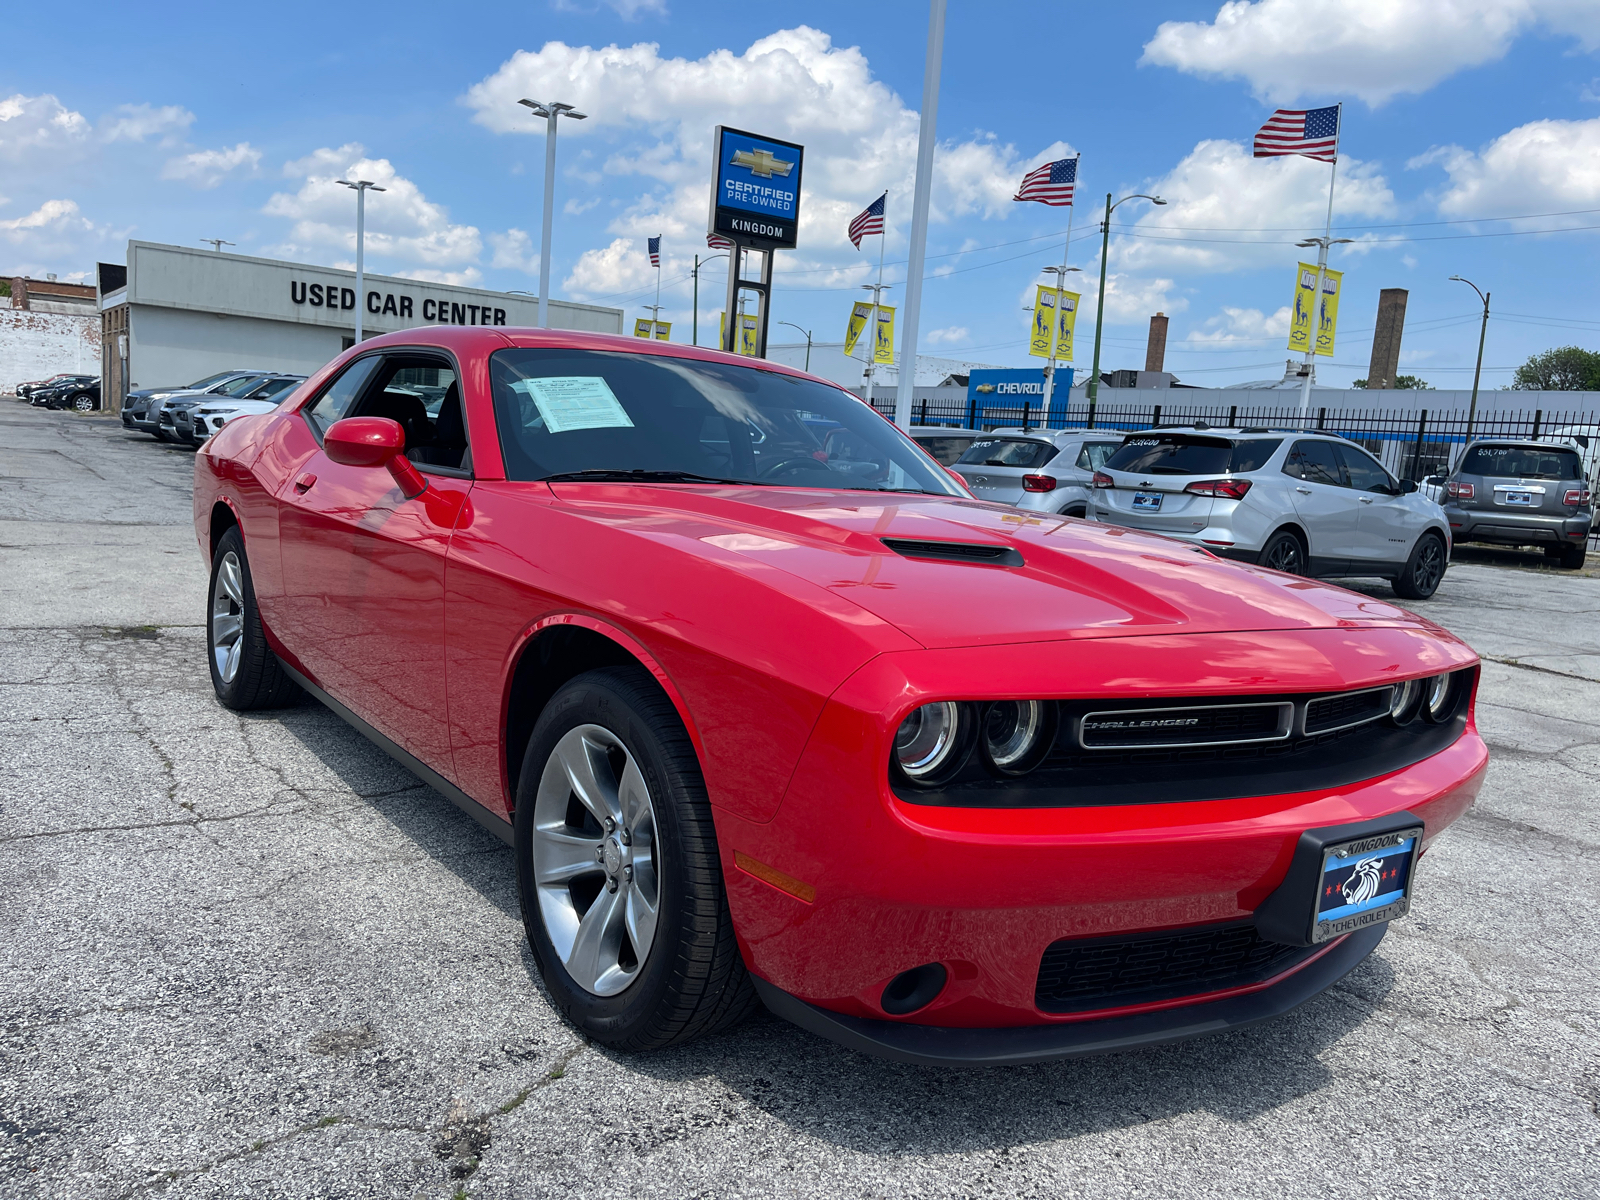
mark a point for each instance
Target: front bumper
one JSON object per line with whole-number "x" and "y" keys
{"x": 1506, "y": 528}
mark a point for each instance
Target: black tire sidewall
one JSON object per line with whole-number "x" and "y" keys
{"x": 602, "y": 698}
{"x": 232, "y": 694}
{"x": 1272, "y": 542}
{"x": 1406, "y": 585}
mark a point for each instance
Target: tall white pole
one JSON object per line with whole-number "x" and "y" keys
{"x": 928, "y": 123}
{"x": 549, "y": 205}
{"x": 361, "y": 246}
{"x": 1061, "y": 298}
{"x": 1316, "y": 300}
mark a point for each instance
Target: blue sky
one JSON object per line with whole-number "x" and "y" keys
{"x": 176, "y": 122}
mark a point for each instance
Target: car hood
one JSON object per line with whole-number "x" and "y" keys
{"x": 1076, "y": 578}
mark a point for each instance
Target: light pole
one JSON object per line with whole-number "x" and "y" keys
{"x": 216, "y": 244}
{"x": 361, "y": 187}
{"x": 1483, "y": 332}
{"x": 1061, "y": 274}
{"x": 698, "y": 263}
{"x": 1100, "y": 300}
{"x": 807, "y": 332}
{"x": 1322, "y": 244}
{"x": 655, "y": 318}
{"x": 549, "y": 112}
{"x": 877, "y": 290}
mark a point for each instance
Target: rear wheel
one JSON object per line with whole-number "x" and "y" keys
{"x": 245, "y": 673}
{"x": 1075, "y": 510}
{"x": 618, "y": 870}
{"x": 1284, "y": 552}
{"x": 84, "y": 403}
{"x": 1571, "y": 557}
{"x": 1420, "y": 577}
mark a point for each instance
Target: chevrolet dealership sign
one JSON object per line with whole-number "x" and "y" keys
{"x": 755, "y": 197}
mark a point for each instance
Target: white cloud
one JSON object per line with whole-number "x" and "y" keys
{"x": 471, "y": 277}
{"x": 207, "y": 168}
{"x": 38, "y": 123}
{"x": 1234, "y": 211}
{"x": 513, "y": 251}
{"x": 1556, "y": 162}
{"x": 138, "y": 122}
{"x": 402, "y": 224}
{"x": 1373, "y": 49}
{"x": 657, "y": 113}
{"x": 55, "y": 213}
{"x": 628, "y": 10}
{"x": 1235, "y": 325}
{"x": 949, "y": 335}
{"x": 620, "y": 267}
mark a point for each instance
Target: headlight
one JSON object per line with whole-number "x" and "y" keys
{"x": 1436, "y": 697}
{"x": 926, "y": 743}
{"x": 1403, "y": 706}
{"x": 1017, "y": 734}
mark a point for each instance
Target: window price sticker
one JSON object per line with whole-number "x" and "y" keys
{"x": 570, "y": 402}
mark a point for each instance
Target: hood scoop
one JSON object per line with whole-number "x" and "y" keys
{"x": 984, "y": 553}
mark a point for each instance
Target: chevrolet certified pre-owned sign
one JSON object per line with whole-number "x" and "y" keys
{"x": 755, "y": 196}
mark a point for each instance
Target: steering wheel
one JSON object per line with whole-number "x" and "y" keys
{"x": 790, "y": 464}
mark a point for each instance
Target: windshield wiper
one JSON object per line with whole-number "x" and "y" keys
{"x": 638, "y": 475}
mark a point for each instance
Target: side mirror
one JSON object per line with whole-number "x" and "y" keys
{"x": 1407, "y": 486}
{"x": 374, "y": 442}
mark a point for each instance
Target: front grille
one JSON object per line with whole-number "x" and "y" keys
{"x": 1352, "y": 708}
{"x": 968, "y": 552}
{"x": 1199, "y": 725}
{"x": 1083, "y": 974}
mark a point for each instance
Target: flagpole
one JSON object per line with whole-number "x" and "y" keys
{"x": 1061, "y": 290}
{"x": 1322, "y": 267}
{"x": 655, "y": 322}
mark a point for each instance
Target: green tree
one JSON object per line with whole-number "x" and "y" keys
{"x": 1564, "y": 369}
{"x": 1406, "y": 382}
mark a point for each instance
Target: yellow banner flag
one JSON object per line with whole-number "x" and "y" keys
{"x": 662, "y": 332}
{"x": 747, "y": 335}
{"x": 1329, "y": 320}
{"x": 1305, "y": 287}
{"x": 883, "y": 347}
{"x": 1054, "y": 307}
{"x": 858, "y": 322}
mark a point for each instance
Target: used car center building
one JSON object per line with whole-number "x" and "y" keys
{"x": 181, "y": 314}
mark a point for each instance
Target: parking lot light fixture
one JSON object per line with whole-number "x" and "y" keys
{"x": 807, "y": 332}
{"x": 1483, "y": 332}
{"x": 1060, "y": 284}
{"x": 1100, "y": 299}
{"x": 361, "y": 187}
{"x": 549, "y": 111}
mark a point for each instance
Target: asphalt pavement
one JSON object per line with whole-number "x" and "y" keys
{"x": 250, "y": 956}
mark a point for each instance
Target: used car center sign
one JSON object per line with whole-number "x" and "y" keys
{"x": 755, "y": 197}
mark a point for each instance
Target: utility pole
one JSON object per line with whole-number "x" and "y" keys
{"x": 550, "y": 112}
{"x": 807, "y": 332}
{"x": 1061, "y": 274}
{"x": 655, "y": 318}
{"x": 1100, "y": 299}
{"x": 877, "y": 290}
{"x": 698, "y": 263}
{"x": 927, "y": 122}
{"x": 361, "y": 187}
{"x": 1483, "y": 332}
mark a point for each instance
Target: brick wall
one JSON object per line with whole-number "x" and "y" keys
{"x": 36, "y": 345}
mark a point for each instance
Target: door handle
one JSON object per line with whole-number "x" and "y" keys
{"x": 305, "y": 483}
{"x": 1303, "y": 491}
{"x": 1366, "y": 499}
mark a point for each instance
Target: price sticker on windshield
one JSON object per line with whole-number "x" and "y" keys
{"x": 570, "y": 402}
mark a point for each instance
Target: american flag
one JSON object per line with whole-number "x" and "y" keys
{"x": 655, "y": 251}
{"x": 869, "y": 222}
{"x": 1313, "y": 132}
{"x": 1051, "y": 183}
{"x": 717, "y": 242}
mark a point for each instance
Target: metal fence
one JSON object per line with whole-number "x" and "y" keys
{"x": 1413, "y": 444}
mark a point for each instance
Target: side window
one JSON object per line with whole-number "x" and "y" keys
{"x": 1094, "y": 454}
{"x": 1365, "y": 474}
{"x": 422, "y": 394}
{"x": 1315, "y": 462}
{"x": 336, "y": 398}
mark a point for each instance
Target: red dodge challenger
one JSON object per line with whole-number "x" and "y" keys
{"x": 772, "y": 710}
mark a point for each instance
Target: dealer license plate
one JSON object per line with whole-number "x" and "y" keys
{"x": 1147, "y": 502}
{"x": 1365, "y": 882}
{"x": 1525, "y": 499}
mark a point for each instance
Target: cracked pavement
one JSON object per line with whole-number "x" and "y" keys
{"x": 250, "y": 956}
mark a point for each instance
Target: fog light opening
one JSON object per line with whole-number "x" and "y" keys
{"x": 914, "y": 989}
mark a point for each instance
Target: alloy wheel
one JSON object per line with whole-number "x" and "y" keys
{"x": 1286, "y": 557}
{"x": 1430, "y": 566}
{"x": 594, "y": 859}
{"x": 227, "y": 617}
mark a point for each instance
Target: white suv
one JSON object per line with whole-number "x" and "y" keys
{"x": 1305, "y": 503}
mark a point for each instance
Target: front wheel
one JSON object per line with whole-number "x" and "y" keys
{"x": 245, "y": 673}
{"x": 1420, "y": 577}
{"x": 618, "y": 871}
{"x": 84, "y": 404}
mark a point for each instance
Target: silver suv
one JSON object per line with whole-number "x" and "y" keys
{"x": 1519, "y": 493}
{"x": 1043, "y": 471}
{"x": 1305, "y": 503}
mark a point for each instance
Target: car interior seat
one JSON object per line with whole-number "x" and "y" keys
{"x": 409, "y": 411}
{"x": 449, "y": 445}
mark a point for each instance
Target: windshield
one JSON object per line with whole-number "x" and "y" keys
{"x": 239, "y": 386}
{"x": 609, "y": 414}
{"x": 1172, "y": 454}
{"x": 210, "y": 379}
{"x": 1008, "y": 452}
{"x": 1523, "y": 462}
{"x": 272, "y": 389}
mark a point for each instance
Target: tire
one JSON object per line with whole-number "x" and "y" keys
{"x": 1075, "y": 510}
{"x": 1284, "y": 552}
{"x": 1572, "y": 556}
{"x": 84, "y": 403}
{"x": 618, "y": 736}
{"x": 234, "y": 640}
{"x": 1424, "y": 569}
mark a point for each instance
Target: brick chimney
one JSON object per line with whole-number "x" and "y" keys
{"x": 1155, "y": 353}
{"x": 1385, "y": 365}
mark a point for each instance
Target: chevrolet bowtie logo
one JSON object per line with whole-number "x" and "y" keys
{"x": 762, "y": 163}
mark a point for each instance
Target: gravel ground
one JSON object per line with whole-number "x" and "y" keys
{"x": 250, "y": 956}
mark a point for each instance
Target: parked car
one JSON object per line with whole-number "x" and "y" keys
{"x": 1305, "y": 503}
{"x": 81, "y": 395}
{"x": 944, "y": 444}
{"x": 1510, "y": 492}
{"x": 1043, "y": 471}
{"x": 137, "y": 405}
{"x": 25, "y": 391}
{"x": 48, "y": 394}
{"x": 165, "y": 410}
{"x": 764, "y": 718}
{"x": 194, "y": 423}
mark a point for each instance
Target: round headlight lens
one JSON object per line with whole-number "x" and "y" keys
{"x": 1017, "y": 734}
{"x": 927, "y": 738}
{"x": 1436, "y": 696}
{"x": 1404, "y": 704}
